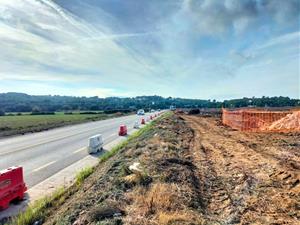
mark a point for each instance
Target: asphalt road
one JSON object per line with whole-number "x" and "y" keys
{"x": 46, "y": 153}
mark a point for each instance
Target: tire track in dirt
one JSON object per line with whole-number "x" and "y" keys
{"x": 240, "y": 184}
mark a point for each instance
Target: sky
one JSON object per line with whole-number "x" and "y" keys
{"x": 208, "y": 49}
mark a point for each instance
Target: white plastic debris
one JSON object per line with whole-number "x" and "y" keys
{"x": 135, "y": 167}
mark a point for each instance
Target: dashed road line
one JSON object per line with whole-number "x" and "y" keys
{"x": 44, "y": 166}
{"x": 79, "y": 150}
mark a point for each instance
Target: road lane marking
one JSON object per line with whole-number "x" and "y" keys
{"x": 44, "y": 166}
{"x": 111, "y": 135}
{"x": 79, "y": 150}
{"x": 52, "y": 140}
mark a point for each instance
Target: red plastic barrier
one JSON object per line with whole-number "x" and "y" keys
{"x": 151, "y": 117}
{"x": 12, "y": 186}
{"x": 143, "y": 121}
{"x": 123, "y": 130}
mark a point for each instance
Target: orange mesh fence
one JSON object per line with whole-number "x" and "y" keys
{"x": 252, "y": 120}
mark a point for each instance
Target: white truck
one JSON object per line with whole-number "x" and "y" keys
{"x": 95, "y": 144}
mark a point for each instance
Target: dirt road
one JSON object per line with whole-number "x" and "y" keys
{"x": 246, "y": 178}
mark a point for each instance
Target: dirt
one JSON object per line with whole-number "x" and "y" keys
{"x": 192, "y": 170}
{"x": 247, "y": 178}
{"x": 290, "y": 122}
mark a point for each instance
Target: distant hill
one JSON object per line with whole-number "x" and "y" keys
{"x": 20, "y": 102}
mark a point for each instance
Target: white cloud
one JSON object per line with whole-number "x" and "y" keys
{"x": 100, "y": 92}
{"x": 48, "y": 43}
{"x": 42, "y": 42}
{"x": 215, "y": 17}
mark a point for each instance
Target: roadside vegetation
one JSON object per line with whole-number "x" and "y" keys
{"x": 26, "y": 123}
{"x": 150, "y": 180}
{"x": 83, "y": 174}
{"x": 40, "y": 210}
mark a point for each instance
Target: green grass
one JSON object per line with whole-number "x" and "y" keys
{"x": 12, "y": 125}
{"x": 37, "y": 211}
{"x": 83, "y": 174}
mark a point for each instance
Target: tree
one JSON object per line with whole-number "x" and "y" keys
{"x": 2, "y": 113}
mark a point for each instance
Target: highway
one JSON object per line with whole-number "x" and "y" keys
{"x": 45, "y": 153}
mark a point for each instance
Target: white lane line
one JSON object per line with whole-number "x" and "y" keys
{"x": 79, "y": 150}
{"x": 44, "y": 166}
{"x": 51, "y": 140}
{"x": 112, "y": 135}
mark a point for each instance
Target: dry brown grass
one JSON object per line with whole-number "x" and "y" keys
{"x": 179, "y": 217}
{"x": 161, "y": 203}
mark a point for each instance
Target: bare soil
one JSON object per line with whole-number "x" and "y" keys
{"x": 247, "y": 178}
{"x": 192, "y": 170}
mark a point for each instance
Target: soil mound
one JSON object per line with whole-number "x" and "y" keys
{"x": 291, "y": 122}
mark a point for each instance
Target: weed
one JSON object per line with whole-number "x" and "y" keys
{"x": 83, "y": 174}
{"x": 37, "y": 211}
{"x": 166, "y": 218}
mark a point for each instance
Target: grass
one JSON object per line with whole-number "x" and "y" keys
{"x": 161, "y": 203}
{"x": 12, "y": 125}
{"x": 118, "y": 147}
{"x": 83, "y": 174}
{"x": 39, "y": 209}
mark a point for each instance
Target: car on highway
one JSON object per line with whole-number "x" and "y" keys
{"x": 152, "y": 110}
{"x": 141, "y": 112}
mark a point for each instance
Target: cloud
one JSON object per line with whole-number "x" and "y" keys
{"x": 293, "y": 37}
{"x": 100, "y": 92}
{"x": 48, "y": 42}
{"x": 214, "y": 17}
{"x": 183, "y": 48}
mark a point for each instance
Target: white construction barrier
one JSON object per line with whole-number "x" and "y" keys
{"x": 95, "y": 144}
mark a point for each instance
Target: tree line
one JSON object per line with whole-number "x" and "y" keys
{"x": 19, "y": 102}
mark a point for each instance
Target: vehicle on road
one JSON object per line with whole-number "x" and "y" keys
{"x": 141, "y": 112}
{"x": 152, "y": 110}
{"x": 95, "y": 144}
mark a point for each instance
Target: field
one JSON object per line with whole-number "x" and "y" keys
{"x": 20, "y": 124}
{"x": 191, "y": 170}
